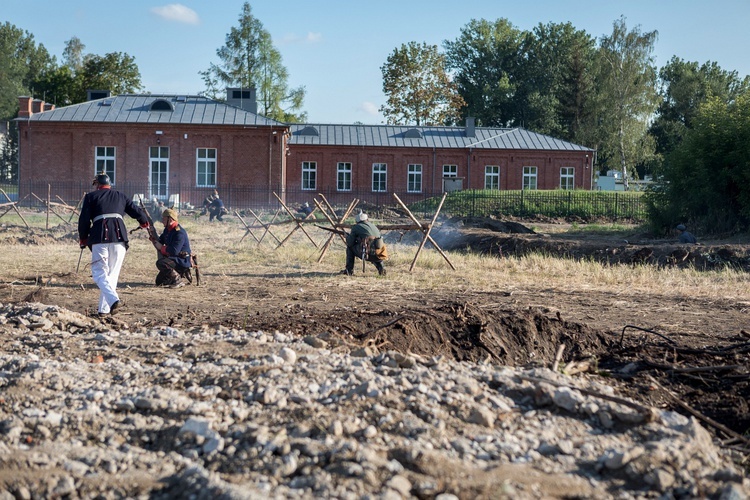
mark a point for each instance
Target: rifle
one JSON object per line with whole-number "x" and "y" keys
{"x": 333, "y": 230}
{"x": 197, "y": 270}
{"x": 152, "y": 235}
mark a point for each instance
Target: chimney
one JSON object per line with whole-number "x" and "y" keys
{"x": 48, "y": 106}
{"x": 37, "y": 106}
{"x": 93, "y": 94}
{"x": 242, "y": 98}
{"x": 24, "y": 107}
{"x": 470, "y": 128}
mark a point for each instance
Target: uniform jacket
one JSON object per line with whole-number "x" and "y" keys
{"x": 360, "y": 231}
{"x": 109, "y": 229}
{"x": 176, "y": 242}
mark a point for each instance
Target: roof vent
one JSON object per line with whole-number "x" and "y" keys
{"x": 309, "y": 130}
{"x": 161, "y": 105}
{"x": 181, "y": 98}
{"x": 413, "y": 133}
{"x": 93, "y": 95}
{"x": 107, "y": 102}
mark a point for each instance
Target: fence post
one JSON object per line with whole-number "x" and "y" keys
{"x": 570, "y": 201}
{"x": 617, "y": 203}
{"x": 522, "y": 207}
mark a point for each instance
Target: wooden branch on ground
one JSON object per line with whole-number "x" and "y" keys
{"x": 697, "y": 414}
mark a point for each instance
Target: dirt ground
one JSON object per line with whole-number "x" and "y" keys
{"x": 688, "y": 355}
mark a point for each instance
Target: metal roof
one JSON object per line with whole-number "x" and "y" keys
{"x": 432, "y": 137}
{"x": 127, "y": 108}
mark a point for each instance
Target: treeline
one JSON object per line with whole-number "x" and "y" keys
{"x": 604, "y": 93}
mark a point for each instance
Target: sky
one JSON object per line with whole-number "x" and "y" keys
{"x": 336, "y": 48}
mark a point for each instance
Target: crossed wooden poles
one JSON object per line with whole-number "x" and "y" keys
{"x": 337, "y": 225}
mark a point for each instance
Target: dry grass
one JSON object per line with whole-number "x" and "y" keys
{"x": 221, "y": 253}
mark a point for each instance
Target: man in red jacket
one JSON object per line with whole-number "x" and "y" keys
{"x": 101, "y": 228}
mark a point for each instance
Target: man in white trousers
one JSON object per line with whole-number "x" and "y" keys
{"x": 101, "y": 228}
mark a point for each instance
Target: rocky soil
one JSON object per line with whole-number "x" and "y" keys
{"x": 273, "y": 382}
{"x": 99, "y": 410}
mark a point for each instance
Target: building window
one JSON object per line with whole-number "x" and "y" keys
{"x": 206, "y": 167}
{"x": 491, "y": 177}
{"x": 414, "y": 178}
{"x": 343, "y": 176}
{"x": 529, "y": 177}
{"x": 309, "y": 174}
{"x": 450, "y": 170}
{"x": 567, "y": 178}
{"x": 105, "y": 161}
{"x": 379, "y": 177}
{"x": 159, "y": 172}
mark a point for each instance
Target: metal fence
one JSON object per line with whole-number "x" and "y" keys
{"x": 585, "y": 205}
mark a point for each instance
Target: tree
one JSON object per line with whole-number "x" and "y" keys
{"x": 485, "y": 60}
{"x": 685, "y": 86}
{"x": 249, "y": 60}
{"x": 706, "y": 179}
{"x": 555, "y": 91}
{"x": 73, "y": 54}
{"x": 628, "y": 97}
{"x": 115, "y": 71}
{"x": 21, "y": 63}
{"x": 418, "y": 88}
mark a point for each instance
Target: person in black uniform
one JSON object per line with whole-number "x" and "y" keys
{"x": 305, "y": 210}
{"x": 173, "y": 245}
{"x": 102, "y": 229}
{"x": 216, "y": 209}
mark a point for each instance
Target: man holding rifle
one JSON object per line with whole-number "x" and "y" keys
{"x": 364, "y": 242}
{"x": 102, "y": 229}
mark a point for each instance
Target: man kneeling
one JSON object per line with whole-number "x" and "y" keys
{"x": 173, "y": 247}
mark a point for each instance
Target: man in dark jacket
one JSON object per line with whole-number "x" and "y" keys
{"x": 101, "y": 228}
{"x": 173, "y": 246}
{"x": 216, "y": 209}
{"x": 364, "y": 234}
{"x": 685, "y": 236}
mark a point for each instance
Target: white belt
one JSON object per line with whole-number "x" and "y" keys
{"x": 107, "y": 216}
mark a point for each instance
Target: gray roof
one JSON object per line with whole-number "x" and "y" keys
{"x": 431, "y": 137}
{"x": 186, "y": 109}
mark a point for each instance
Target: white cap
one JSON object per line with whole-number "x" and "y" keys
{"x": 360, "y": 217}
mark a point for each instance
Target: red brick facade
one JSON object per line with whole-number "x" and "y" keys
{"x": 262, "y": 157}
{"x": 470, "y": 166}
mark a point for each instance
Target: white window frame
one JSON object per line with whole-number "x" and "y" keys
{"x": 530, "y": 178}
{"x": 158, "y": 172}
{"x": 379, "y": 177}
{"x": 343, "y": 176}
{"x": 208, "y": 164}
{"x": 105, "y": 160}
{"x": 309, "y": 175}
{"x": 414, "y": 178}
{"x": 450, "y": 171}
{"x": 567, "y": 178}
{"x": 492, "y": 177}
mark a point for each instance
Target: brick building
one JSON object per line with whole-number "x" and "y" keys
{"x": 162, "y": 144}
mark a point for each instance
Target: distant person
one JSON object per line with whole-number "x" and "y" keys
{"x": 305, "y": 210}
{"x": 208, "y": 200}
{"x": 102, "y": 230}
{"x": 684, "y": 236}
{"x": 364, "y": 240}
{"x": 216, "y": 209}
{"x": 174, "y": 261}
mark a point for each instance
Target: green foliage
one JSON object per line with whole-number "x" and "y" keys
{"x": 485, "y": 58}
{"x": 685, "y": 86}
{"x": 115, "y": 71}
{"x": 249, "y": 60}
{"x": 418, "y": 88}
{"x": 706, "y": 179}
{"x": 585, "y": 205}
{"x": 626, "y": 80}
{"x": 22, "y": 61}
